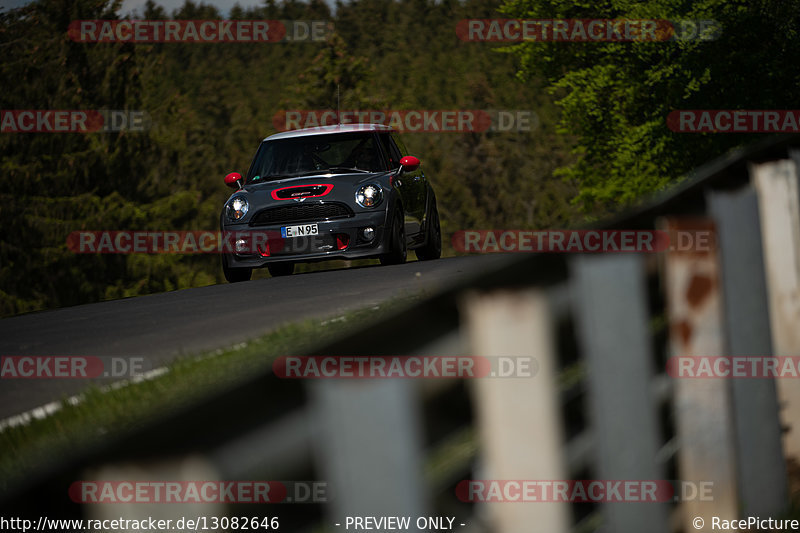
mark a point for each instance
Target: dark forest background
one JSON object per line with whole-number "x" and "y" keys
{"x": 601, "y": 143}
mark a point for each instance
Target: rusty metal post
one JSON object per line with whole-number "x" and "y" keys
{"x": 703, "y": 412}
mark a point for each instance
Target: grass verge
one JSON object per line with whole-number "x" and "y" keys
{"x": 106, "y": 410}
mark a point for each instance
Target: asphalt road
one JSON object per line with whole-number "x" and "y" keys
{"x": 161, "y": 326}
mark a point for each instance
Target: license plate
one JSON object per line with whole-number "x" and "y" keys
{"x": 299, "y": 231}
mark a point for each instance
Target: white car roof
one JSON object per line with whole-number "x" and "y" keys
{"x": 336, "y": 128}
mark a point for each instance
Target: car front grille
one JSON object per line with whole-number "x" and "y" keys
{"x": 305, "y": 212}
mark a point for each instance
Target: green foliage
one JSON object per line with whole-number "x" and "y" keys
{"x": 615, "y": 97}
{"x": 210, "y": 105}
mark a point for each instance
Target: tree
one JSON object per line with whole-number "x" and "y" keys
{"x": 615, "y": 96}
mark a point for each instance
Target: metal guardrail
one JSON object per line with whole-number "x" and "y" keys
{"x": 600, "y": 326}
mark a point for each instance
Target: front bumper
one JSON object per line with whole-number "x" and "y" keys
{"x": 337, "y": 239}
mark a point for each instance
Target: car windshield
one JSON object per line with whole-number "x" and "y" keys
{"x": 298, "y": 156}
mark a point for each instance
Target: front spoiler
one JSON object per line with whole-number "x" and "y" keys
{"x": 321, "y": 247}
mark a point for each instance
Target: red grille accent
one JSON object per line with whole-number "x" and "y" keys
{"x": 302, "y": 191}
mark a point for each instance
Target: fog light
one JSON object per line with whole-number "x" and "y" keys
{"x": 368, "y": 233}
{"x": 241, "y": 246}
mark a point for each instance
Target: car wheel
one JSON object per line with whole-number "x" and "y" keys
{"x": 235, "y": 275}
{"x": 433, "y": 242}
{"x": 280, "y": 269}
{"x": 397, "y": 243}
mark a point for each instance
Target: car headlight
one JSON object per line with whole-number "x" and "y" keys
{"x": 369, "y": 195}
{"x": 236, "y": 208}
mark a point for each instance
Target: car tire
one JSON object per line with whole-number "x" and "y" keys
{"x": 280, "y": 269}
{"x": 235, "y": 275}
{"x": 397, "y": 241}
{"x": 432, "y": 249}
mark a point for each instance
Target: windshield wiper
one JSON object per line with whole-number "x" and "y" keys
{"x": 349, "y": 169}
{"x": 271, "y": 177}
{"x": 310, "y": 172}
{"x": 326, "y": 170}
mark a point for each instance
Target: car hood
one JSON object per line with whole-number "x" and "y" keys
{"x": 349, "y": 180}
{"x": 323, "y": 187}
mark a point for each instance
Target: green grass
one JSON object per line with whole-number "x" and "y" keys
{"x": 104, "y": 411}
{"x": 451, "y": 457}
